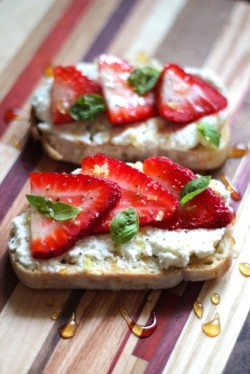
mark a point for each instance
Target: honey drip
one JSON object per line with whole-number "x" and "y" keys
{"x": 68, "y": 330}
{"x": 11, "y": 114}
{"x": 215, "y": 298}
{"x": 238, "y": 150}
{"x": 142, "y": 58}
{"x": 54, "y": 316}
{"x": 212, "y": 328}
{"x": 244, "y": 269}
{"x": 198, "y": 308}
{"x": 235, "y": 195}
{"x": 48, "y": 71}
{"x": 139, "y": 330}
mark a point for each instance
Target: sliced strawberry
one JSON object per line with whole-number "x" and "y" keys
{"x": 69, "y": 84}
{"x": 123, "y": 103}
{"x": 151, "y": 201}
{"x": 95, "y": 196}
{"x": 184, "y": 97}
{"x": 206, "y": 210}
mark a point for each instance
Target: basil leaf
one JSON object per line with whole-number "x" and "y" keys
{"x": 209, "y": 133}
{"x": 63, "y": 211}
{"x": 87, "y": 107}
{"x": 143, "y": 79}
{"x": 58, "y": 211}
{"x": 42, "y": 204}
{"x": 193, "y": 188}
{"x": 124, "y": 226}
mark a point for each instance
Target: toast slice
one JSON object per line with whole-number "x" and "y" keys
{"x": 85, "y": 267}
{"x": 152, "y": 137}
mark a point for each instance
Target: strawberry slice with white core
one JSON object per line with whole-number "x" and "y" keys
{"x": 124, "y": 105}
{"x": 94, "y": 196}
{"x": 152, "y": 202}
{"x": 69, "y": 84}
{"x": 206, "y": 210}
{"x": 183, "y": 97}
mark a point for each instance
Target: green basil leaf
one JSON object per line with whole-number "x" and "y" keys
{"x": 87, "y": 107}
{"x": 143, "y": 79}
{"x": 193, "y": 188}
{"x": 63, "y": 211}
{"x": 42, "y": 204}
{"x": 124, "y": 226}
{"x": 209, "y": 133}
{"x": 58, "y": 211}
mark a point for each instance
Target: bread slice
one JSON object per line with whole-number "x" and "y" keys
{"x": 138, "y": 141}
{"x": 94, "y": 263}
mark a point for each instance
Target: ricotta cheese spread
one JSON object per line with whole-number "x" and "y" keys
{"x": 152, "y": 133}
{"x": 168, "y": 248}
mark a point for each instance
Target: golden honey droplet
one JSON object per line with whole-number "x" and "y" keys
{"x": 238, "y": 150}
{"x": 215, "y": 298}
{"x": 139, "y": 330}
{"x": 235, "y": 195}
{"x": 212, "y": 328}
{"x": 244, "y": 269}
{"x": 198, "y": 308}
{"x": 68, "y": 330}
{"x": 54, "y": 316}
{"x": 48, "y": 71}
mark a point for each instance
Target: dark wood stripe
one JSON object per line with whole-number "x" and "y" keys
{"x": 53, "y": 337}
{"x": 127, "y": 335}
{"x": 166, "y": 307}
{"x": 110, "y": 29}
{"x": 8, "y": 280}
{"x": 43, "y": 56}
{"x": 239, "y": 361}
{"x": 192, "y": 37}
{"x": 166, "y": 345}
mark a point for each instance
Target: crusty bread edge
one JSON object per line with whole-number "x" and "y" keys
{"x": 199, "y": 158}
{"x": 213, "y": 266}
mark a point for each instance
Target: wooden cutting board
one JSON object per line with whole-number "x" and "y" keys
{"x": 35, "y": 35}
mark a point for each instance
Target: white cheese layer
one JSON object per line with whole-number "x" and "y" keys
{"x": 169, "y": 248}
{"x": 152, "y": 133}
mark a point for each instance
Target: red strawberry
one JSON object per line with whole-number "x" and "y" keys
{"x": 123, "y": 103}
{"x": 151, "y": 201}
{"x": 69, "y": 84}
{"x": 95, "y": 196}
{"x": 206, "y": 210}
{"x": 184, "y": 97}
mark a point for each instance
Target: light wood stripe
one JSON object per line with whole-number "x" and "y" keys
{"x": 8, "y": 154}
{"x": 233, "y": 309}
{"x": 233, "y": 66}
{"x": 21, "y": 56}
{"x": 18, "y": 24}
{"x": 163, "y": 13}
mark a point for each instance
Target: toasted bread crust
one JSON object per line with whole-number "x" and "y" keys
{"x": 198, "y": 158}
{"x": 124, "y": 278}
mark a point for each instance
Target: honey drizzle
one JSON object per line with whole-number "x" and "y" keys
{"x": 68, "y": 330}
{"x": 212, "y": 328}
{"x": 198, "y": 308}
{"x": 238, "y": 150}
{"x": 48, "y": 71}
{"x": 235, "y": 195}
{"x": 54, "y": 316}
{"x": 215, "y": 298}
{"x": 244, "y": 269}
{"x": 139, "y": 330}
